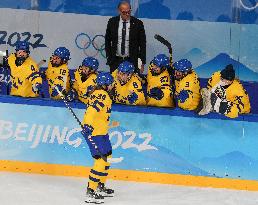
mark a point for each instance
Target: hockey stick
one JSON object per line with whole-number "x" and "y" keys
{"x": 167, "y": 44}
{"x": 110, "y": 160}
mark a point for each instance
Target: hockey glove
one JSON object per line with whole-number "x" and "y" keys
{"x": 55, "y": 92}
{"x": 71, "y": 95}
{"x": 89, "y": 89}
{"x": 87, "y": 131}
{"x": 37, "y": 88}
{"x": 132, "y": 98}
{"x": 183, "y": 96}
{"x": 156, "y": 93}
{"x": 220, "y": 105}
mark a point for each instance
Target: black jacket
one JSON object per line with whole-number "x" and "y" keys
{"x": 137, "y": 40}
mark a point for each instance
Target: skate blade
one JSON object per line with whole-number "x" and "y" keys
{"x": 107, "y": 195}
{"x": 94, "y": 201}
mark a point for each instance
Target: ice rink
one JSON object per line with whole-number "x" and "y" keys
{"x": 32, "y": 189}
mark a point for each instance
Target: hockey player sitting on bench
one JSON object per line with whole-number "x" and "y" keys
{"x": 57, "y": 73}
{"x": 25, "y": 76}
{"x": 128, "y": 87}
{"x": 85, "y": 78}
{"x": 159, "y": 91}
{"x": 225, "y": 95}
{"x": 187, "y": 85}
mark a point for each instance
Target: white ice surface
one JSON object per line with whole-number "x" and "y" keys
{"x": 31, "y": 189}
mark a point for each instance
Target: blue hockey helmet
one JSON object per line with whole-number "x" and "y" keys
{"x": 183, "y": 66}
{"x": 62, "y": 53}
{"x": 23, "y": 45}
{"x": 161, "y": 60}
{"x": 91, "y": 63}
{"x": 104, "y": 79}
{"x": 126, "y": 67}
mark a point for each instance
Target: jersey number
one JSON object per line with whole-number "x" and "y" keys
{"x": 164, "y": 79}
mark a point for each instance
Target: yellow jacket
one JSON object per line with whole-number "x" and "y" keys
{"x": 58, "y": 76}
{"x": 24, "y": 77}
{"x": 163, "y": 82}
{"x": 191, "y": 84}
{"x": 98, "y": 112}
{"x": 122, "y": 92}
{"x": 235, "y": 94}
{"x": 82, "y": 87}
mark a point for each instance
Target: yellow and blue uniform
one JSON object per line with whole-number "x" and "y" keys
{"x": 190, "y": 84}
{"x": 133, "y": 87}
{"x": 162, "y": 82}
{"x": 57, "y": 76}
{"x": 97, "y": 116}
{"x": 235, "y": 94}
{"x": 82, "y": 88}
{"x": 98, "y": 112}
{"x": 24, "y": 77}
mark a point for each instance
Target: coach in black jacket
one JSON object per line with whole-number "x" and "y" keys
{"x": 125, "y": 39}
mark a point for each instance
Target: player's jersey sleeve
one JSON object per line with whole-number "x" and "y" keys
{"x": 240, "y": 103}
{"x": 35, "y": 76}
{"x": 98, "y": 112}
{"x": 77, "y": 80}
{"x": 213, "y": 80}
{"x": 86, "y": 87}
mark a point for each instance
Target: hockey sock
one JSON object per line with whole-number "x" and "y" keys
{"x": 103, "y": 179}
{"x": 96, "y": 173}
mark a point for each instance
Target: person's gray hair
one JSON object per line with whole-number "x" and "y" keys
{"x": 122, "y": 3}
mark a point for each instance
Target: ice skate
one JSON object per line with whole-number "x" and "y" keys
{"x": 93, "y": 197}
{"x": 104, "y": 191}
{"x": 206, "y": 97}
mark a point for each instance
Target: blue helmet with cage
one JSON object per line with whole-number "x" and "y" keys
{"x": 91, "y": 63}
{"x": 183, "y": 66}
{"x": 23, "y": 45}
{"x": 62, "y": 53}
{"x": 126, "y": 67}
{"x": 104, "y": 79}
{"x": 161, "y": 60}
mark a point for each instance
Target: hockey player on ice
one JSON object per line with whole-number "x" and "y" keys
{"x": 25, "y": 77}
{"x": 159, "y": 91}
{"x": 96, "y": 124}
{"x": 57, "y": 73}
{"x": 225, "y": 94}
{"x": 187, "y": 85}
{"x": 85, "y": 78}
{"x": 128, "y": 86}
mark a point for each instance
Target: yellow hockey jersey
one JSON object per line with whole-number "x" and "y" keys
{"x": 98, "y": 112}
{"x": 235, "y": 93}
{"x": 122, "y": 92}
{"x": 82, "y": 87}
{"x": 24, "y": 77}
{"x": 191, "y": 84}
{"x": 57, "y": 76}
{"x": 163, "y": 82}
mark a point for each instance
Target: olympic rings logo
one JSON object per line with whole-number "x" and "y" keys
{"x": 248, "y": 7}
{"x": 91, "y": 47}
